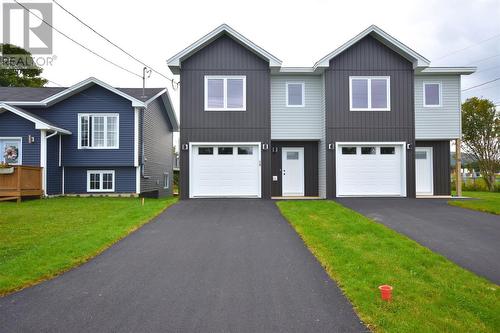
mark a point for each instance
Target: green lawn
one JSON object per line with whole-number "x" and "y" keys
{"x": 431, "y": 294}
{"x": 487, "y": 202}
{"x": 42, "y": 238}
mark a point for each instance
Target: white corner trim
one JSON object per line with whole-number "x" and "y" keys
{"x": 138, "y": 179}
{"x": 63, "y": 187}
{"x": 303, "y": 104}
{"x": 136, "y": 136}
{"x": 43, "y": 159}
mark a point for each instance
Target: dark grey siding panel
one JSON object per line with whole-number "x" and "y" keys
{"x": 369, "y": 57}
{"x": 310, "y": 166}
{"x": 11, "y": 125}
{"x": 441, "y": 165}
{"x": 158, "y": 149}
{"x": 75, "y": 179}
{"x": 225, "y": 56}
{"x": 54, "y": 171}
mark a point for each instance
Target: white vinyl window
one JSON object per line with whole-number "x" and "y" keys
{"x": 100, "y": 180}
{"x": 225, "y": 93}
{"x": 11, "y": 150}
{"x": 295, "y": 94}
{"x": 369, "y": 93}
{"x": 432, "y": 94}
{"x": 98, "y": 131}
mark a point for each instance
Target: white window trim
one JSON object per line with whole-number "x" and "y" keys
{"x": 225, "y": 78}
{"x": 440, "y": 95}
{"x": 101, "y": 172}
{"x": 303, "y": 104}
{"x": 12, "y": 138}
{"x": 167, "y": 185}
{"x": 117, "y": 115}
{"x": 369, "y": 78}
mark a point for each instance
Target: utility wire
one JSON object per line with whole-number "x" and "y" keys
{"x": 483, "y": 59}
{"x": 466, "y": 48}
{"x": 482, "y": 84}
{"x": 487, "y": 69}
{"x": 78, "y": 43}
{"x": 114, "y": 44}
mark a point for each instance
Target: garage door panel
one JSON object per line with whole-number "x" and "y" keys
{"x": 370, "y": 174}
{"x": 225, "y": 175}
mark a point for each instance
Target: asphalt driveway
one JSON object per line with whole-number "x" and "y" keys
{"x": 202, "y": 266}
{"x": 469, "y": 238}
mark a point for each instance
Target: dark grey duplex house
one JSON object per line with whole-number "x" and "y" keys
{"x": 372, "y": 118}
{"x": 91, "y": 138}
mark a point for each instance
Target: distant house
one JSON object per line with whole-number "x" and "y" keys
{"x": 91, "y": 138}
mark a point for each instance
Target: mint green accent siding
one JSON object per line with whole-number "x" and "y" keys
{"x": 297, "y": 123}
{"x": 438, "y": 122}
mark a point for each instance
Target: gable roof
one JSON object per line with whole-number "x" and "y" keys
{"x": 47, "y": 96}
{"x": 40, "y": 123}
{"x": 386, "y": 39}
{"x": 174, "y": 63}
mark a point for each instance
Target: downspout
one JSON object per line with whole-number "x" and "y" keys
{"x": 141, "y": 130}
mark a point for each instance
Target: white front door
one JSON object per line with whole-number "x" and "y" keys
{"x": 423, "y": 171}
{"x": 292, "y": 171}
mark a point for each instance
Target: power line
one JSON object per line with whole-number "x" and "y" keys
{"x": 482, "y": 84}
{"x": 467, "y": 47}
{"x": 483, "y": 59}
{"x": 78, "y": 43}
{"x": 487, "y": 69}
{"x": 114, "y": 44}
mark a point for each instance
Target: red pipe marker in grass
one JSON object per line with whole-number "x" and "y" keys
{"x": 385, "y": 292}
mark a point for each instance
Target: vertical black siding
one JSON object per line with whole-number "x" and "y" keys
{"x": 369, "y": 57}
{"x": 440, "y": 165}
{"x": 225, "y": 56}
{"x": 158, "y": 149}
{"x": 310, "y": 166}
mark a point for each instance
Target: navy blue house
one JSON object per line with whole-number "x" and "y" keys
{"x": 91, "y": 138}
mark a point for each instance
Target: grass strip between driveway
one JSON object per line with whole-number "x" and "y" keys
{"x": 488, "y": 202}
{"x": 431, "y": 294}
{"x": 40, "y": 239}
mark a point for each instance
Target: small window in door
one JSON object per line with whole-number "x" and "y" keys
{"x": 348, "y": 150}
{"x": 292, "y": 155}
{"x": 387, "y": 150}
{"x": 225, "y": 150}
{"x": 205, "y": 150}
{"x": 368, "y": 150}
{"x": 245, "y": 151}
{"x": 420, "y": 155}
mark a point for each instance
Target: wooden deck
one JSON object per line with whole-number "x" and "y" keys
{"x": 25, "y": 181}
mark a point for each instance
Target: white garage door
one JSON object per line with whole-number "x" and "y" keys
{"x": 231, "y": 170}
{"x": 370, "y": 170}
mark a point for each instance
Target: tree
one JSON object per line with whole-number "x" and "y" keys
{"x": 481, "y": 136}
{"x": 13, "y": 69}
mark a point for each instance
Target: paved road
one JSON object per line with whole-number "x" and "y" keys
{"x": 469, "y": 238}
{"x": 202, "y": 266}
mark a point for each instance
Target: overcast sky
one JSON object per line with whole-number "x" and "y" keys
{"x": 297, "y": 32}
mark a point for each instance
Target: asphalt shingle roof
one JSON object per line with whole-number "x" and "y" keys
{"x": 22, "y": 94}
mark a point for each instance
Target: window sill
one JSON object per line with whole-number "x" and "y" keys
{"x": 98, "y": 148}
{"x": 371, "y": 110}
{"x": 295, "y": 106}
{"x": 210, "y": 110}
{"x": 432, "y": 106}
